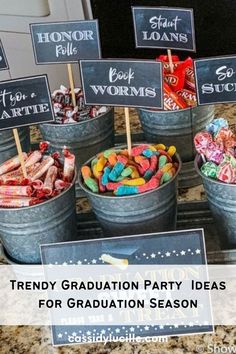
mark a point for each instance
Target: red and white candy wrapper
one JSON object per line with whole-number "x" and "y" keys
{"x": 41, "y": 169}
{"x": 49, "y": 180}
{"x": 15, "y": 191}
{"x": 11, "y": 164}
{"x": 45, "y": 179}
{"x": 226, "y": 138}
{"x": 171, "y": 100}
{"x": 33, "y": 158}
{"x": 37, "y": 184}
{"x": 226, "y": 173}
{"x": 69, "y": 166}
{"x": 201, "y": 141}
{"x": 60, "y": 184}
{"x": 9, "y": 202}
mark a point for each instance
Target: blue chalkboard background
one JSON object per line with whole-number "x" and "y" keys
{"x": 180, "y": 247}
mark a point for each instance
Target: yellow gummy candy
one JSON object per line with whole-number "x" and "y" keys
{"x": 133, "y": 182}
{"x": 96, "y": 173}
{"x": 172, "y": 150}
{"x": 101, "y": 163}
{"x": 167, "y": 167}
{"x": 135, "y": 173}
{"x": 160, "y": 147}
{"x": 152, "y": 148}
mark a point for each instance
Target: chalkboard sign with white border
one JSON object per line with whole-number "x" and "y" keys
{"x": 215, "y": 79}
{"x": 25, "y": 101}
{"x": 3, "y": 58}
{"x": 169, "y": 248}
{"x": 128, "y": 83}
{"x": 65, "y": 42}
{"x": 164, "y": 27}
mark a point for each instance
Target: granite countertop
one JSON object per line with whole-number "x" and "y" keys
{"x": 37, "y": 340}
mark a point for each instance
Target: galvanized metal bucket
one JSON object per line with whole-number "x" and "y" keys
{"x": 8, "y": 146}
{"x": 152, "y": 211}
{"x": 22, "y": 230}
{"x": 84, "y": 139}
{"x": 222, "y": 202}
{"x": 177, "y": 128}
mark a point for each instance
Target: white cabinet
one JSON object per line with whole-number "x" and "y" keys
{"x": 16, "y": 39}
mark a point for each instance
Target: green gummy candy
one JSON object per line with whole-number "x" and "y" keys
{"x": 91, "y": 184}
{"x": 107, "y": 153}
{"x": 162, "y": 161}
{"x": 165, "y": 177}
{"x": 126, "y": 172}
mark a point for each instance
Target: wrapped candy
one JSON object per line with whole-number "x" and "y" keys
{"x": 201, "y": 141}
{"x": 217, "y": 146}
{"x": 145, "y": 169}
{"x": 214, "y": 127}
{"x": 69, "y": 165}
{"x": 45, "y": 178}
{"x": 209, "y": 169}
{"x": 171, "y": 100}
{"x": 11, "y": 164}
{"x": 64, "y": 111}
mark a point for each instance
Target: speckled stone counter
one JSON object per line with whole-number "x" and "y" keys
{"x": 37, "y": 340}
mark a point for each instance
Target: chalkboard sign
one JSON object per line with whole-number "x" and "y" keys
{"x": 129, "y": 83}
{"x": 170, "y": 248}
{"x": 65, "y": 42}
{"x": 25, "y": 101}
{"x": 215, "y": 80}
{"x": 164, "y": 27}
{"x": 3, "y": 58}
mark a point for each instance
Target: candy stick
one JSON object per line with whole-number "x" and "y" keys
{"x": 19, "y": 149}
{"x": 42, "y": 168}
{"x": 33, "y": 158}
{"x": 49, "y": 180}
{"x": 72, "y": 86}
{"x": 170, "y": 61}
{"x": 11, "y": 164}
{"x": 128, "y": 134}
{"x": 69, "y": 165}
{"x": 9, "y": 202}
{"x": 14, "y": 191}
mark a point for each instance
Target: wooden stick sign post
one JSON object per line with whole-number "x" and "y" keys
{"x": 127, "y": 83}
{"x": 164, "y": 27}
{"x": 4, "y": 66}
{"x": 65, "y": 42}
